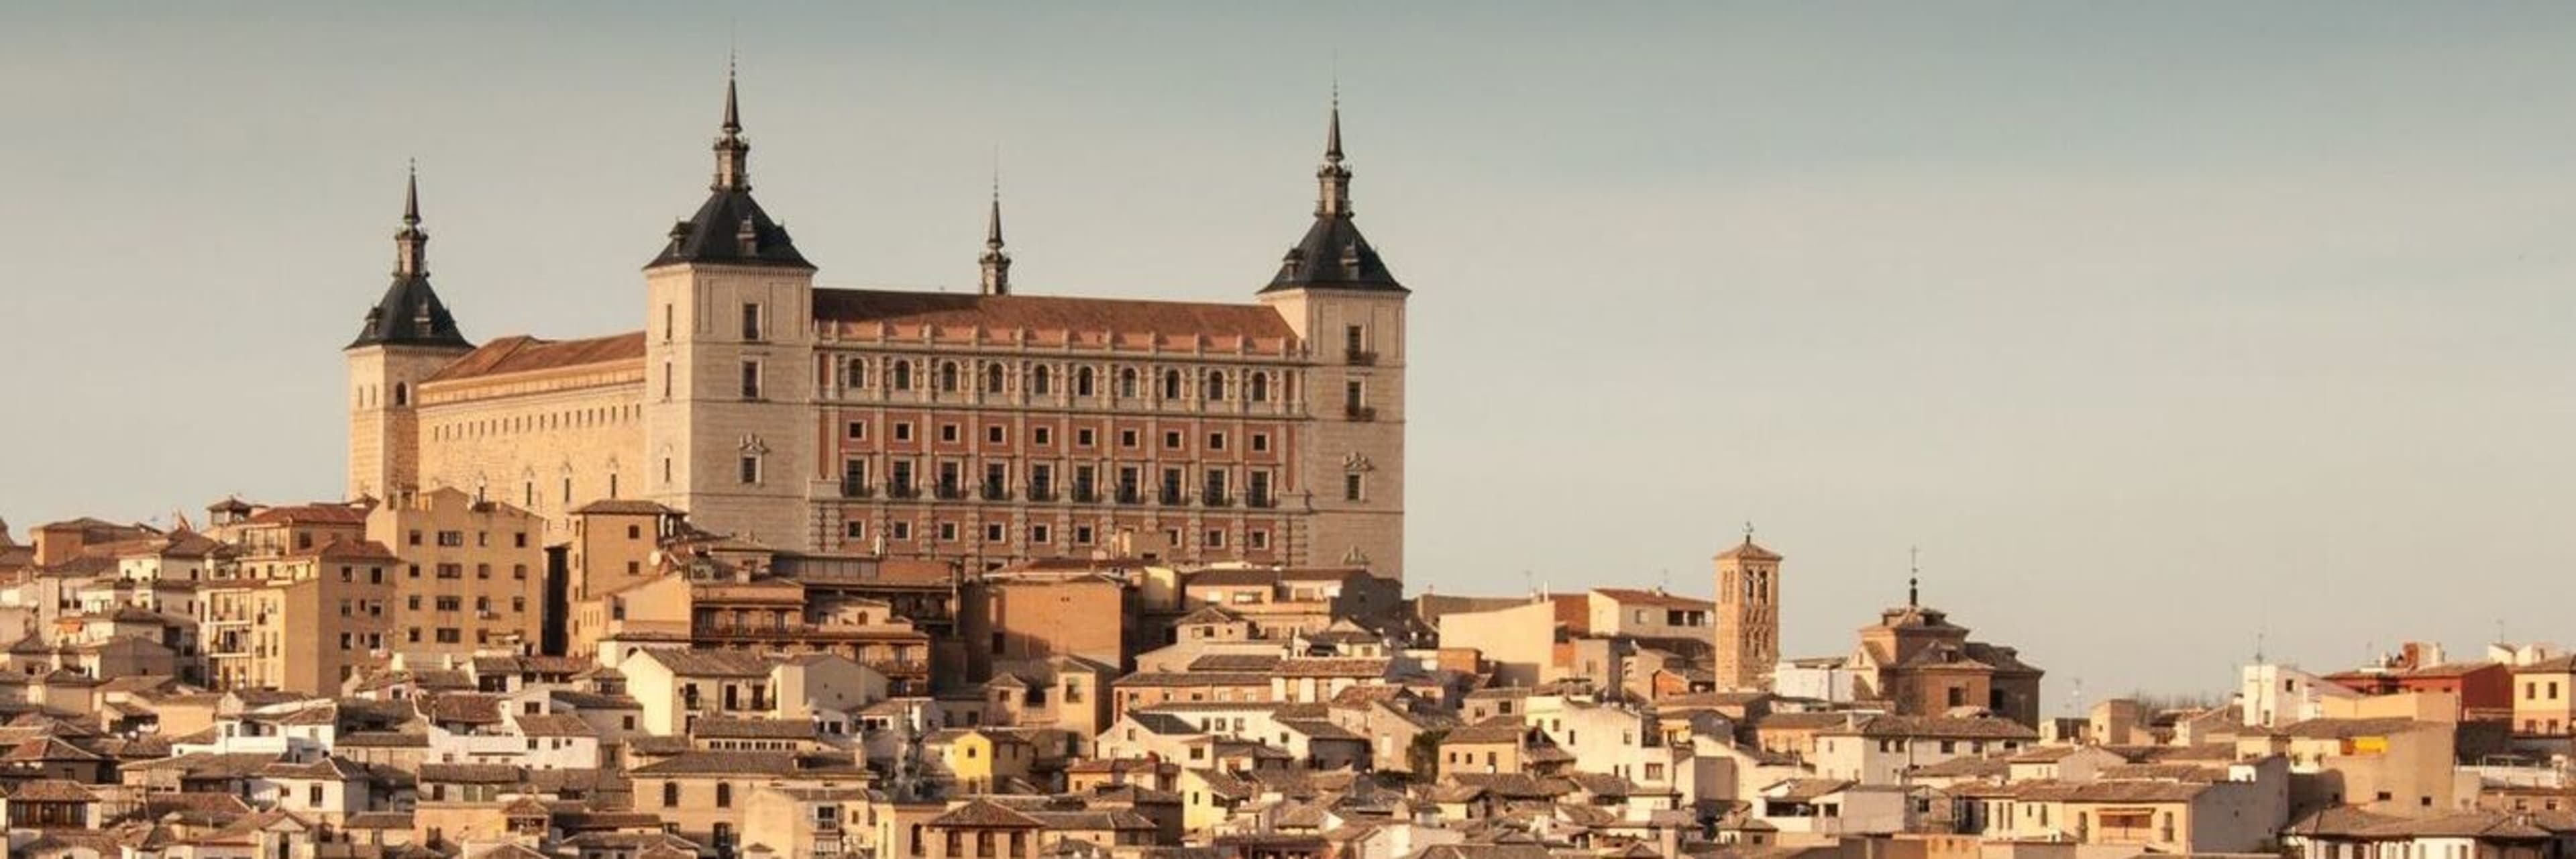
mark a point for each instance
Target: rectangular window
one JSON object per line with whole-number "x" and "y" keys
{"x": 993, "y": 533}
{"x": 751, "y": 380}
{"x": 947, "y": 532}
{"x": 903, "y": 431}
{"x": 903, "y": 530}
{"x": 1353, "y": 395}
{"x": 1082, "y": 437}
{"x": 750, "y": 321}
{"x": 1040, "y": 534}
{"x": 1257, "y": 539}
{"x": 1351, "y": 487}
{"x": 1216, "y": 441}
{"x": 948, "y": 433}
{"x": 854, "y": 530}
{"x": 1082, "y": 535}
{"x": 1215, "y": 539}
{"x": 993, "y": 434}
{"x": 1172, "y": 441}
{"x": 858, "y": 430}
{"x": 1355, "y": 340}
{"x": 1040, "y": 436}
{"x": 751, "y": 469}
{"x": 1127, "y": 438}
{"x": 1261, "y": 442}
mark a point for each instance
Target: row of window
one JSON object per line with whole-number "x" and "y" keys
{"x": 949, "y": 482}
{"x": 563, "y": 420}
{"x": 1044, "y": 380}
{"x": 1257, "y": 539}
{"x": 1044, "y": 436}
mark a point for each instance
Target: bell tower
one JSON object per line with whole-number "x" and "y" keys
{"x": 1748, "y": 616}
{"x": 407, "y": 336}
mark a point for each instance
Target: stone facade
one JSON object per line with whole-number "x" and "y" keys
{"x": 984, "y": 428}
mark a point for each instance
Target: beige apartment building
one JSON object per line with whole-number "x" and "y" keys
{"x": 305, "y": 621}
{"x": 984, "y": 427}
{"x": 2544, "y": 698}
{"x": 473, "y": 574}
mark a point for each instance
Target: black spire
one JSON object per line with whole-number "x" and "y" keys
{"x": 410, "y": 313}
{"x": 996, "y": 264}
{"x": 733, "y": 154}
{"x": 1333, "y": 254}
{"x": 730, "y": 228}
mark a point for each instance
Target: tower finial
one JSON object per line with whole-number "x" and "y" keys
{"x": 995, "y": 263}
{"x": 733, "y": 154}
{"x": 1333, "y": 179}
{"x": 411, "y": 243}
{"x": 1914, "y": 576}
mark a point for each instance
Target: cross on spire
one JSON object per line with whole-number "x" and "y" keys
{"x": 1914, "y": 576}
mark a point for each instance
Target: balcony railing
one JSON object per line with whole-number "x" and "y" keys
{"x": 902, "y": 490}
{"x": 1170, "y": 496}
{"x": 951, "y": 492}
{"x": 1260, "y": 500}
{"x": 856, "y": 489}
{"x": 1359, "y": 357}
{"x": 1359, "y": 413}
{"x": 1129, "y": 495}
{"x": 1216, "y": 499}
{"x": 992, "y": 491}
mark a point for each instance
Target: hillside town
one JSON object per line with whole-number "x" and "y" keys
{"x": 802, "y": 572}
{"x": 423, "y": 677}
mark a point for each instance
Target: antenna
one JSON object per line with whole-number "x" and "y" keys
{"x": 1913, "y": 576}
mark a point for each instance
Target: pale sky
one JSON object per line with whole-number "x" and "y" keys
{"x": 2156, "y": 325}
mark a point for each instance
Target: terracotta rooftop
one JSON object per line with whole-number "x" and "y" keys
{"x": 906, "y": 312}
{"x": 524, "y": 354}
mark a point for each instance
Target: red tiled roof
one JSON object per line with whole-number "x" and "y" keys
{"x": 1049, "y": 313}
{"x": 524, "y": 354}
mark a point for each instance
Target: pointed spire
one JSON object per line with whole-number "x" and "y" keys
{"x": 733, "y": 154}
{"x": 411, "y": 243}
{"x": 1333, "y": 130}
{"x": 995, "y": 263}
{"x": 1333, "y": 179}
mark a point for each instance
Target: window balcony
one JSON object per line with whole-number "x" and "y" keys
{"x": 1083, "y": 493}
{"x": 1359, "y": 413}
{"x": 1129, "y": 495}
{"x": 994, "y": 491}
{"x": 856, "y": 489}
{"x": 951, "y": 492}
{"x": 1359, "y": 357}
{"x": 1041, "y": 492}
{"x": 1171, "y": 497}
{"x": 1260, "y": 500}
{"x": 902, "y": 490}
{"x": 1216, "y": 499}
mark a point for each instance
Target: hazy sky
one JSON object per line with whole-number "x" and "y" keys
{"x": 2154, "y": 324}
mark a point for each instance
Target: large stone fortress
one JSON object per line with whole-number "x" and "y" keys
{"x": 986, "y": 427}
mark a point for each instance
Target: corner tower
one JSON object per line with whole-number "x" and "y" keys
{"x": 727, "y": 362}
{"x": 1748, "y": 616}
{"x": 1339, "y": 298}
{"x": 407, "y": 336}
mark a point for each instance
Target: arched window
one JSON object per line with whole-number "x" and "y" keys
{"x": 670, "y": 794}
{"x": 1126, "y": 381}
{"x": 856, "y": 374}
{"x": 948, "y": 377}
{"x": 1082, "y": 382}
{"x": 1260, "y": 388}
{"x": 1215, "y": 389}
{"x": 993, "y": 378}
{"x": 1041, "y": 381}
{"x": 402, "y": 394}
{"x": 903, "y": 375}
{"x": 1171, "y": 384}
{"x": 724, "y": 795}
